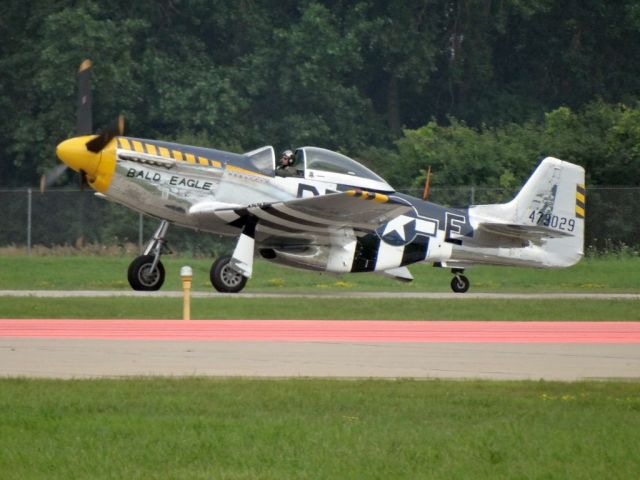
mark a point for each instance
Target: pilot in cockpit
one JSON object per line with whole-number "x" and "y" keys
{"x": 286, "y": 168}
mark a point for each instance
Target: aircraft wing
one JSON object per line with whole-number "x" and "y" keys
{"x": 352, "y": 209}
{"x": 312, "y": 220}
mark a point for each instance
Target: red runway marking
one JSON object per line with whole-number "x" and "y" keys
{"x": 327, "y": 331}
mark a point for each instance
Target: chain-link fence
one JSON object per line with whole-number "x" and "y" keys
{"x": 79, "y": 218}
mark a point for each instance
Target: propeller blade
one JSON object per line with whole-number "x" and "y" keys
{"x": 84, "y": 126}
{"x": 102, "y": 140}
{"x": 84, "y": 115}
{"x": 50, "y": 177}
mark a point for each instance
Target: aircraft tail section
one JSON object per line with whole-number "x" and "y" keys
{"x": 548, "y": 212}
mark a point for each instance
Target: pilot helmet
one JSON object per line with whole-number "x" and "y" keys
{"x": 288, "y": 154}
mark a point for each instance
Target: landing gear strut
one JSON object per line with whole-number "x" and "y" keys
{"x": 459, "y": 283}
{"x": 146, "y": 272}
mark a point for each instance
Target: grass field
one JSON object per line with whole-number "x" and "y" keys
{"x": 597, "y": 275}
{"x": 318, "y": 308}
{"x": 277, "y": 429}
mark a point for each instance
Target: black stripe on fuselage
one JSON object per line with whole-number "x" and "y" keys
{"x": 416, "y": 251}
{"x": 366, "y": 254}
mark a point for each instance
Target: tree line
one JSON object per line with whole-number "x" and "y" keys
{"x": 478, "y": 89}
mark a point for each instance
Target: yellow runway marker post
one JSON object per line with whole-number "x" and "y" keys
{"x": 186, "y": 275}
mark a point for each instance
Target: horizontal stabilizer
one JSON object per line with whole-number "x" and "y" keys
{"x": 533, "y": 233}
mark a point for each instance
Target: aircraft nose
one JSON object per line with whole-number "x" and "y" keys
{"x": 74, "y": 153}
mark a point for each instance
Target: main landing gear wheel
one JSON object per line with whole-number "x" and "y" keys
{"x": 142, "y": 277}
{"x": 224, "y": 278}
{"x": 460, "y": 284}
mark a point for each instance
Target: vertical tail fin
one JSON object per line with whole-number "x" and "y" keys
{"x": 555, "y": 188}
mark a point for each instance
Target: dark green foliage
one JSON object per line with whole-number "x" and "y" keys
{"x": 601, "y": 137}
{"x": 341, "y": 75}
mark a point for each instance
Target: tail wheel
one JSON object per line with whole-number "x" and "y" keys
{"x": 141, "y": 277}
{"x": 460, "y": 284}
{"x": 224, "y": 278}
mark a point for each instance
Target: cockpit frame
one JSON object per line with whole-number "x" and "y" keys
{"x": 320, "y": 165}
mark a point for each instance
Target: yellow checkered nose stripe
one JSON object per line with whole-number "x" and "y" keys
{"x": 177, "y": 155}
{"x": 581, "y": 196}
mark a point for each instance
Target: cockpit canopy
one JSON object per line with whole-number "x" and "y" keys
{"x": 322, "y": 165}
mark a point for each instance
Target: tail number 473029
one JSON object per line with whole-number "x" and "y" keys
{"x": 539, "y": 217}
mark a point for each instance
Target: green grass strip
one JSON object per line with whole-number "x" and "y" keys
{"x": 597, "y": 275}
{"x": 321, "y": 429}
{"x": 318, "y": 308}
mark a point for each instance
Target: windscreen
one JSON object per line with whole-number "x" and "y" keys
{"x": 263, "y": 159}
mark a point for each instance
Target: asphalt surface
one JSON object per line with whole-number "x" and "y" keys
{"x": 485, "y": 350}
{"x": 64, "y": 358}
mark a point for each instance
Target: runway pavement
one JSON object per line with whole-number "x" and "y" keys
{"x": 347, "y": 349}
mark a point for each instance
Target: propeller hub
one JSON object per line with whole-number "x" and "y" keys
{"x": 73, "y": 152}
{"x": 98, "y": 166}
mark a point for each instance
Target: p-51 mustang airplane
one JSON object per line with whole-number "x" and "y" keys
{"x": 335, "y": 215}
